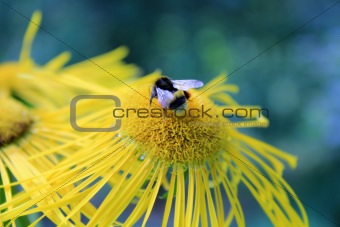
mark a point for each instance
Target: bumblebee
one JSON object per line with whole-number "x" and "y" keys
{"x": 172, "y": 94}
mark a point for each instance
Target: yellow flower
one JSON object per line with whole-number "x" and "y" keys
{"x": 41, "y": 86}
{"x": 199, "y": 161}
{"x": 32, "y": 84}
{"x": 31, "y": 143}
{"x": 35, "y": 133}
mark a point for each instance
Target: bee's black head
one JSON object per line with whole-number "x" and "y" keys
{"x": 165, "y": 84}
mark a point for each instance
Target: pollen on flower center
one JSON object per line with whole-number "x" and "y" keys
{"x": 14, "y": 120}
{"x": 188, "y": 139}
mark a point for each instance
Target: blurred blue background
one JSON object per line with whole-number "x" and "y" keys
{"x": 297, "y": 80}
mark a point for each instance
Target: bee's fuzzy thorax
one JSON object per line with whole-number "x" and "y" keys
{"x": 165, "y": 83}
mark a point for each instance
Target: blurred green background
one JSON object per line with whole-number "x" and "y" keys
{"x": 297, "y": 80}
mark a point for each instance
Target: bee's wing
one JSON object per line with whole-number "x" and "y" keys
{"x": 164, "y": 97}
{"x": 186, "y": 84}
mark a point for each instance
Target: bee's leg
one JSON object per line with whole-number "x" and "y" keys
{"x": 152, "y": 95}
{"x": 164, "y": 114}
